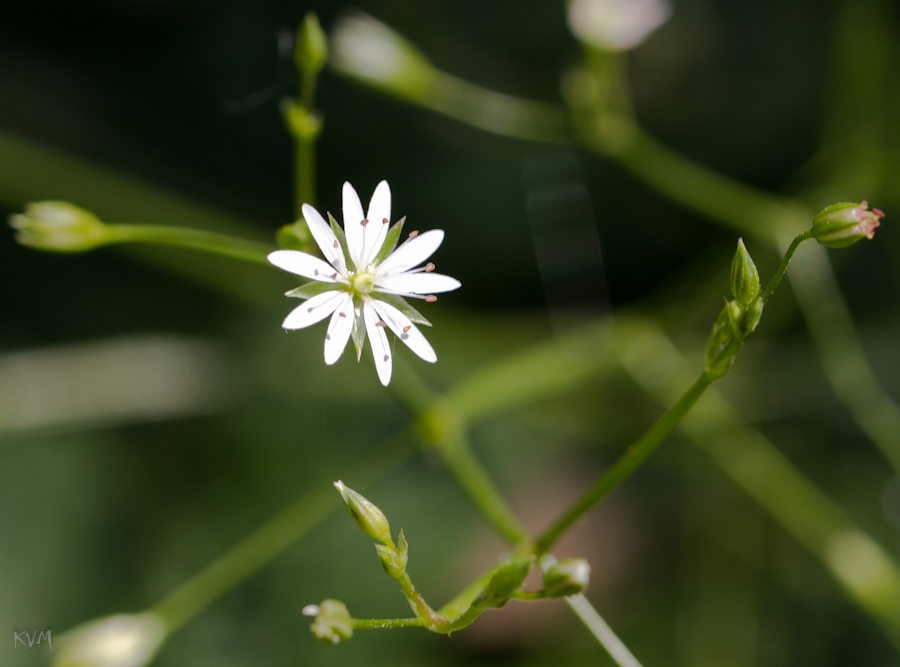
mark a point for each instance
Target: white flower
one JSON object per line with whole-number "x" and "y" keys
{"x": 616, "y": 25}
{"x": 363, "y": 284}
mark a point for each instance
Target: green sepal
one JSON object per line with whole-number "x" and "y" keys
{"x": 358, "y": 334}
{"x": 403, "y": 549}
{"x": 390, "y": 560}
{"x": 313, "y": 288}
{"x": 828, "y": 210}
{"x": 403, "y": 306}
{"x": 342, "y": 239}
{"x": 390, "y": 241}
{"x": 507, "y": 579}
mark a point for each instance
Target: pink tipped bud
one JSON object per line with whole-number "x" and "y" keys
{"x": 841, "y": 225}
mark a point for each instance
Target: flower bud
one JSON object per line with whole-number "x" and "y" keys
{"x": 506, "y": 580}
{"x": 616, "y": 25}
{"x": 124, "y": 640}
{"x": 367, "y": 49}
{"x": 569, "y": 576}
{"x": 311, "y": 50}
{"x": 59, "y": 227}
{"x": 744, "y": 276}
{"x": 371, "y": 519}
{"x": 333, "y": 622}
{"x": 391, "y": 561}
{"x": 843, "y": 224}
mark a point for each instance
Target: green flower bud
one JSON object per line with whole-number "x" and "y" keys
{"x": 371, "y": 519}
{"x": 124, "y": 640}
{"x": 368, "y": 50}
{"x": 744, "y": 276}
{"x": 391, "y": 561}
{"x": 333, "y": 622}
{"x": 295, "y": 236}
{"x": 302, "y": 123}
{"x": 506, "y": 580}
{"x": 843, "y": 224}
{"x": 311, "y": 50}
{"x": 569, "y": 576}
{"x": 59, "y": 227}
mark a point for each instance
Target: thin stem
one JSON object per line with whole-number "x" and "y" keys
{"x": 304, "y": 173}
{"x": 387, "y": 623}
{"x": 189, "y": 237}
{"x": 443, "y": 427}
{"x": 601, "y": 631}
{"x": 528, "y": 595}
{"x": 779, "y": 274}
{"x": 475, "y": 480}
{"x": 276, "y": 535}
{"x": 628, "y": 463}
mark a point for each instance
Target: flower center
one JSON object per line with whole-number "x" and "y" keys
{"x": 363, "y": 283}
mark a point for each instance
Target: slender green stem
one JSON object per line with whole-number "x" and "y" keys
{"x": 475, "y": 480}
{"x": 443, "y": 427}
{"x": 276, "y": 535}
{"x": 785, "y": 261}
{"x": 628, "y": 463}
{"x": 304, "y": 173}
{"x": 529, "y": 595}
{"x": 188, "y": 237}
{"x": 387, "y": 623}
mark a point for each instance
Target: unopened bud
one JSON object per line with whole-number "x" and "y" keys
{"x": 616, "y": 25}
{"x": 333, "y": 622}
{"x": 367, "y": 49}
{"x": 125, "y": 640}
{"x": 744, "y": 276}
{"x": 371, "y": 519}
{"x": 59, "y": 227}
{"x": 311, "y": 50}
{"x": 506, "y": 580}
{"x": 841, "y": 225}
{"x": 390, "y": 561}
{"x": 569, "y": 576}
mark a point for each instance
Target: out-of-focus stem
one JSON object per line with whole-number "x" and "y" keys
{"x": 274, "y": 536}
{"x": 868, "y": 573}
{"x": 194, "y": 239}
{"x": 633, "y": 458}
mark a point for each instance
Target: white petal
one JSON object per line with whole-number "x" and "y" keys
{"x": 381, "y": 351}
{"x": 339, "y": 330}
{"x": 404, "y": 329}
{"x": 418, "y": 283}
{"x": 313, "y": 310}
{"x": 379, "y": 217}
{"x": 412, "y": 253}
{"x": 303, "y": 265}
{"x": 353, "y": 216}
{"x": 324, "y": 237}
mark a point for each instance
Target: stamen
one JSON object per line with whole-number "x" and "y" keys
{"x": 335, "y": 243}
{"x": 864, "y": 204}
{"x": 431, "y": 298}
{"x": 414, "y": 233}
{"x": 343, "y": 314}
{"x": 380, "y": 324}
{"x": 407, "y": 328}
{"x": 429, "y": 267}
{"x": 364, "y": 222}
{"x": 384, "y": 221}
{"x": 334, "y": 275}
{"x": 878, "y": 212}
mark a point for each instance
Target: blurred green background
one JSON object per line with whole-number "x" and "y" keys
{"x": 217, "y": 419}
